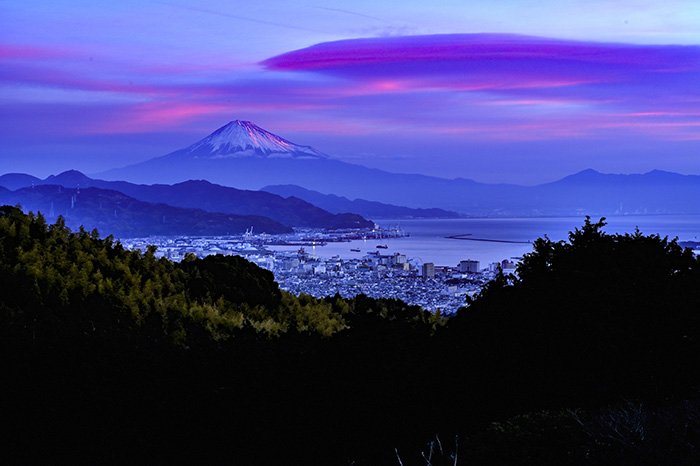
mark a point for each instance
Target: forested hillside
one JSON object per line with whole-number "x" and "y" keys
{"x": 114, "y": 356}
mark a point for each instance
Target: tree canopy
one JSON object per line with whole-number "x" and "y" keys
{"x": 118, "y": 356}
{"x": 595, "y": 316}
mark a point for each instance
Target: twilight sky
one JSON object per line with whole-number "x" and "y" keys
{"x": 511, "y": 91}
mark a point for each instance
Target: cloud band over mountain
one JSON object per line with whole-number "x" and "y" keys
{"x": 452, "y": 91}
{"x": 590, "y": 87}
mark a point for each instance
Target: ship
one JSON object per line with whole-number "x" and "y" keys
{"x": 382, "y": 246}
{"x": 354, "y": 250}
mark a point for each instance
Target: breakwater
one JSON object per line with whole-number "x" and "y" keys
{"x": 469, "y": 237}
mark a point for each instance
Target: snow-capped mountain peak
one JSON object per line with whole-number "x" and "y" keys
{"x": 241, "y": 138}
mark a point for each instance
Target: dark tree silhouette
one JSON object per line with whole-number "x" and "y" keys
{"x": 111, "y": 355}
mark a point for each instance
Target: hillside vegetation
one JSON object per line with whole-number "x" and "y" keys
{"x": 114, "y": 356}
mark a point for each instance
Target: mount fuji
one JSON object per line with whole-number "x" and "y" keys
{"x": 246, "y": 139}
{"x": 245, "y": 156}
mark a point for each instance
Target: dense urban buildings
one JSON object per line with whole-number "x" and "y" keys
{"x": 376, "y": 274}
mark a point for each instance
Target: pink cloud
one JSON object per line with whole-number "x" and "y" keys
{"x": 498, "y": 63}
{"x": 484, "y": 87}
{"x": 151, "y": 116}
{"x": 24, "y": 52}
{"x": 487, "y": 55}
{"x": 590, "y": 87}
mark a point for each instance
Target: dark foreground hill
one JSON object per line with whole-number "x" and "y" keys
{"x": 126, "y": 217}
{"x": 114, "y": 356}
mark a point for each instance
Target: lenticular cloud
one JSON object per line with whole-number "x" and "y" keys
{"x": 591, "y": 87}
{"x": 498, "y": 60}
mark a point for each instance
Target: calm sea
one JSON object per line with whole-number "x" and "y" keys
{"x": 428, "y": 243}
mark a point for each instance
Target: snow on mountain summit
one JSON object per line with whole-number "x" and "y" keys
{"x": 245, "y": 139}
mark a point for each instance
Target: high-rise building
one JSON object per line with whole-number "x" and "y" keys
{"x": 398, "y": 259}
{"x": 428, "y": 270}
{"x": 468, "y": 266}
{"x": 508, "y": 264}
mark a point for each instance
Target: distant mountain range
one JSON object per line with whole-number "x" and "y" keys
{"x": 112, "y": 212}
{"x": 305, "y": 188}
{"x": 243, "y": 155}
{"x": 371, "y": 209}
{"x": 655, "y": 192}
{"x": 209, "y": 197}
{"x": 245, "y": 161}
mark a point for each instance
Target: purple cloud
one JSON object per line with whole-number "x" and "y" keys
{"x": 458, "y": 89}
{"x": 23, "y": 52}
{"x": 561, "y": 88}
{"x": 536, "y": 60}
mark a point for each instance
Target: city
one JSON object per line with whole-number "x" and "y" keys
{"x": 435, "y": 287}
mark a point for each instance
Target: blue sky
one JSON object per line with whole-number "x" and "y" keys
{"x": 599, "y": 84}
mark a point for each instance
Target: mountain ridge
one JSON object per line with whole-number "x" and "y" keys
{"x": 201, "y": 194}
{"x": 585, "y": 192}
{"x": 113, "y": 212}
{"x": 371, "y": 209}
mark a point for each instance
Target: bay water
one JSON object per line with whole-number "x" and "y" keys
{"x": 508, "y": 237}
